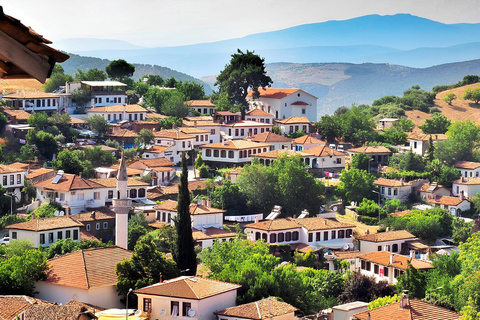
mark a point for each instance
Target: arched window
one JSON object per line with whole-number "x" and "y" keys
{"x": 230, "y": 154}
{"x": 288, "y": 236}
{"x": 257, "y": 235}
{"x": 141, "y": 193}
{"x": 133, "y": 193}
{"x": 209, "y": 153}
{"x": 281, "y": 237}
{"x": 341, "y": 234}
{"x": 215, "y": 153}
{"x": 395, "y": 247}
{"x": 273, "y": 238}
{"x": 264, "y": 237}
{"x": 348, "y": 234}
{"x": 223, "y": 154}
{"x": 294, "y": 235}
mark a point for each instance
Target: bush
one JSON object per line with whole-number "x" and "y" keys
{"x": 204, "y": 169}
{"x": 371, "y": 221}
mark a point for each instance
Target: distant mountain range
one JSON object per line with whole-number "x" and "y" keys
{"x": 400, "y": 39}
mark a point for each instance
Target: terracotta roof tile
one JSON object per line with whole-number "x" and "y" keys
{"x": 306, "y": 139}
{"x": 236, "y": 145}
{"x": 199, "y": 118}
{"x": 467, "y": 165}
{"x": 129, "y": 108}
{"x": 201, "y": 124}
{"x": 193, "y": 130}
{"x": 19, "y": 165}
{"x": 18, "y": 114}
{"x": 188, "y": 288}
{"x": 172, "y": 134}
{"x": 400, "y": 261}
{"x": 212, "y": 233}
{"x": 200, "y": 103}
{"x": 11, "y": 305}
{"x": 273, "y": 93}
{"x": 88, "y": 306}
{"x": 68, "y": 182}
{"x": 259, "y": 310}
{"x": 86, "y": 269}
{"x": 31, "y": 95}
{"x": 112, "y": 182}
{"x": 401, "y": 213}
{"x": 258, "y": 113}
{"x": 94, "y": 215}
{"x": 248, "y": 123}
{"x": 270, "y": 137}
{"x": 302, "y": 247}
{"x": 386, "y": 236}
{"x": 447, "y": 201}
{"x": 195, "y": 209}
{"x": 324, "y": 151}
{"x": 153, "y": 115}
{"x": 391, "y": 183}
{"x": 370, "y": 150}
{"x": 275, "y": 153}
{"x": 55, "y": 311}
{"x": 416, "y": 310}
{"x": 294, "y": 120}
{"x": 85, "y": 235}
{"x": 168, "y": 205}
{"x": 468, "y": 181}
{"x": 311, "y": 224}
{"x": 346, "y": 254}
{"x": 9, "y": 169}
{"x": 157, "y": 149}
{"x": 148, "y": 163}
{"x": 122, "y": 133}
{"x": 44, "y": 224}
{"x": 426, "y": 137}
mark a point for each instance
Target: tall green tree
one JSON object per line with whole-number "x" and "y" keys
{"x": 144, "y": 138}
{"x": 472, "y": 94}
{"x": 119, "y": 69}
{"x": 360, "y": 161}
{"x": 355, "y": 185}
{"x": 245, "y": 71}
{"x": 93, "y": 74}
{"x": 438, "y": 123}
{"x": 184, "y": 253}
{"x": 81, "y": 97}
{"x": 98, "y": 124}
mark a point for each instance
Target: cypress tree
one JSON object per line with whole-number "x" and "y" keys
{"x": 184, "y": 254}
{"x": 430, "y": 150}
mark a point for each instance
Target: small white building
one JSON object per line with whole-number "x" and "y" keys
{"x": 44, "y": 232}
{"x": 104, "y": 93}
{"x": 393, "y": 189}
{"x": 286, "y": 103}
{"x": 469, "y": 186}
{"x": 315, "y": 232}
{"x": 294, "y": 124}
{"x": 276, "y": 141}
{"x": 12, "y": 178}
{"x": 202, "y": 106}
{"x": 117, "y": 113}
{"x": 418, "y": 142}
{"x": 243, "y": 128}
{"x": 468, "y": 169}
{"x": 347, "y": 310}
{"x": 379, "y": 155}
{"x": 454, "y": 205}
{"x": 266, "y": 158}
{"x": 259, "y": 115}
{"x": 391, "y": 241}
{"x": 326, "y": 158}
{"x": 385, "y": 123}
{"x": 205, "y": 123}
{"x": 175, "y": 141}
{"x": 232, "y": 152}
{"x": 85, "y": 275}
{"x": 202, "y": 136}
{"x": 270, "y": 308}
{"x": 34, "y": 101}
{"x": 187, "y": 297}
{"x": 387, "y": 266}
{"x": 432, "y": 190}
{"x": 160, "y": 169}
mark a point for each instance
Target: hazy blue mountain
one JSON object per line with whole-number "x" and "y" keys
{"x": 400, "y": 39}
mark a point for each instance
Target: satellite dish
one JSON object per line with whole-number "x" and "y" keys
{"x": 191, "y": 313}
{"x": 335, "y": 208}
{"x": 352, "y": 203}
{"x": 346, "y": 246}
{"x": 56, "y": 213}
{"x": 62, "y": 213}
{"x": 163, "y": 312}
{"x": 138, "y": 313}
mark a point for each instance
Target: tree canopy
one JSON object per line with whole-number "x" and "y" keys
{"x": 119, "y": 69}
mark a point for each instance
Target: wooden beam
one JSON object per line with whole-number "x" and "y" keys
{"x": 23, "y": 58}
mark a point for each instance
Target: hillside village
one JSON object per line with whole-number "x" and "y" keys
{"x": 150, "y": 200}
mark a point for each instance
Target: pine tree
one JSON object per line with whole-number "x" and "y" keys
{"x": 430, "y": 150}
{"x": 184, "y": 254}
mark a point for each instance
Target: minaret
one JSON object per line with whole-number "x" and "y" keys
{"x": 122, "y": 205}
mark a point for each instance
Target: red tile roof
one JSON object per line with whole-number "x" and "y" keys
{"x": 400, "y": 261}
{"x": 370, "y": 150}
{"x": 68, "y": 182}
{"x": 467, "y": 165}
{"x": 31, "y": 95}
{"x": 271, "y": 137}
{"x": 212, "y": 233}
{"x": 275, "y": 153}
{"x": 416, "y": 309}
{"x": 112, "y": 182}
{"x": 259, "y": 310}
{"x": 310, "y": 224}
{"x": 426, "y": 137}
{"x": 195, "y": 209}
{"x": 468, "y": 181}
{"x": 294, "y": 120}
{"x": 307, "y": 139}
{"x": 391, "y": 183}
{"x": 324, "y": 151}
{"x": 200, "y": 103}
{"x": 188, "y": 288}
{"x": 273, "y": 93}
{"x": 129, "y": 108}
{"x": 18, "y": 114}
{"x": 12, "y": 305}
{"x": 447, "y": 201}
{"x": 248, "y": 123}
{"x": 386, "y": 236}
{"x": 236, "y": 145}
{"x": 94, "y": 215}
{"x": 258, "y": 113}
{"x": 86, "y": 269}
{"x": 61, "y": 312}
{"x": 172, "y": 134}
{"x": 44, "y": 224}
{"x": 9, "y": 169}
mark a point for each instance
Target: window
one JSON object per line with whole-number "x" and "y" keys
{"x": 75, "y": 234}
{"x": 348, "y": 234}
{"x": 4, "y": 180}
{"x": 230, "y": 154}
{"x": 50, "y": 237}
{"x": 318, "y": 236}
{"x": 223, "y": 154}
{"x": 97, "y": 226}
{"x": 12, "y": 179}
{"x": 110, "y": 194}
{"x": 389, "y": 191}
{"x": 212, "y": 131}
{"x": 242, "y": 132}
{"x": 310, "y": 237}
{"x": 385, "y": 271}
{"x": 375, "y": 269}
{"x": 295, "y": 235}
{"x": 14, "y": 234}
{"x": 257, "y": 236}
{"x": 338, "y": 161}
{"x": 67, "y": 234}
{"x": 341, "y": 234}
{"x": 133, "y": 193}
{"x": 108, "y": 117}
{"x": 209, "y": 153}
{"x": 141, "y": 193}
{"x": 395, "y": 192}
{"x": 396, "y": 273}
{"x": 174, "y": 307}
{"x": 19, "y": 178}
{"x": 59, "y": 235}
{"x": 96, "y": 195}
{"x": 288, "y": 236}
{"x": 281, "y": 237}
{"x": 273, "y": 238}
{"x": 303, "y": 111}
{"x": 264, "y": 237}
{"x": 363, "y": 264}
{"x": 368, "y": 266}
{"x": 379, "y": 248}
{"x": 236, "y": 132}
{"x": 325, "y": 236}
{"x": 395, "y": 247}
{"x": 215, "y": 153}
{"x": 42, "y": 238}
{"x": 185, "y": 307}
{"x": 80, "y": 196}
{"x": 88, "y": 227}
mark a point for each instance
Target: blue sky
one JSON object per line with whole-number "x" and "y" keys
{"x": 152, "y": 23}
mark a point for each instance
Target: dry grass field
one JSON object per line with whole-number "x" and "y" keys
{"x": 12, "y": 85}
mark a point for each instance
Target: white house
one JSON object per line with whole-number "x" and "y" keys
{"x": 294, "y": 124}
{"x": 270, "y": 308}
{"x": 469, "y": 186}
{"x": 104, "y": 93}
{"x": 117, "y": 113}
{"x": 385, "y": 123}
{"x": 232, "y": 152}
{"x": 454, "y": 205}
{"x": 202, "y": 136}
{"x": 393, "y": 189}
{"x": 161, "y": 170}
{"x": 286, "y": 103}
{"x": 13, "y": 180}
{"x": 85, "y": 275}
{"x": 276, "y": 141}
{"x": 205, "y": 123}
{"x": 259, "y": 115}
{"x": 432, "y": 190}
{"x": 136, "y": 189}
{"x": 468, "y": 169}
{"x": 186, "y": 297}
{"x": 306, "y": 142}
{"x": 268, "y": 157}
{"x": 379, "y": 155}
{"x": 243, "y": 128}
{"x": 387, "y": 266}
{"x": 34, "y": 101}
{"x": 45, "y": 231}
{"x": 202, "y": 106}
{"x": 316, "y": 232}
{"x": 176, "y": 141}
{"x": 391, "y": 241}
{"x": 418, "y": 142}
{"x": 326, "y": 158}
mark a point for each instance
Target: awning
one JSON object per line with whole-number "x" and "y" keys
{"x": 345, "y": 243}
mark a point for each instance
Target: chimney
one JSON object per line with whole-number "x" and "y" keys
{"x": 462, "y": 195}
{"x": 368, "y": 315}
{"x": 203, "y": 228}
{"x": 92, "y": 215}
{"x": 195, "y": 123}
{"x": 124, "y": 108}
{"x": 67, "y": 212}
{"x": 269, "y": 305}
{"x": 223, "y": 142}
{"x": 80, "y": 175}
{"x": 256, "y": 219}
{"x": 404, "y": 299}
{"x": 203, "y": 202}
{"x": 160, "y": 280}
{"x": 412, "y": 253}
{"x": 388, "y": 228}
{"x": 209, "y": 203}
{"x": 392, "y": 258}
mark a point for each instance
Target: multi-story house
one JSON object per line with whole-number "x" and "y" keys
{"x": 161, "y": 170}
{"x": 104, "y": 93}
{"x": 176, "y": 141}
{"x": 379, "y": 155}
{"x": 34, "y": 101}
{"x": 277, "y": 142}
{"x": 117, "y": 113}
{"x": 100, "y": 223}
{"x": 202, "y": 106}
{"x": 394, "y": 189}
{"x": 419, "y": 143}
{"x": 391, "y": 241}
{"x": 294, "y": 124}
{"x": 228, "y": 153}
{"x": 326, "y": 158}
{"x": 306, "y": 142}
{"x": 202, "y": 136}
{"x": 468, "y": 169}
{"x": 286, "y": 103}
{"x": 243, "y": 128}
{"x": 259, "y": 115}
{"x": 13, "y": 180}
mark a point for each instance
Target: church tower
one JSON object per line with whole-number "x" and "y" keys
{"x": 122, "y": 205}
